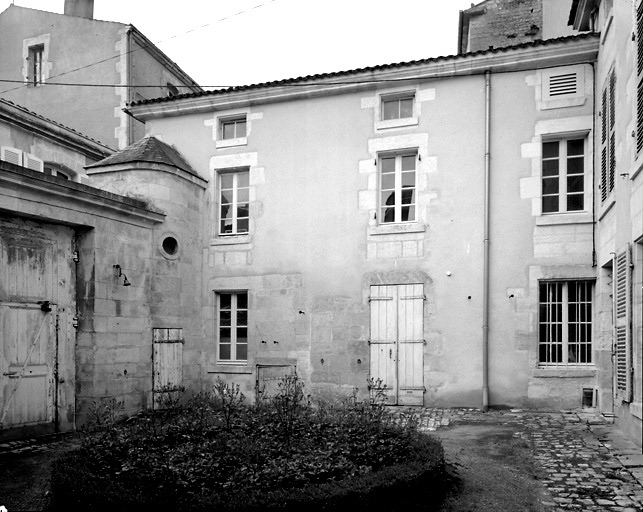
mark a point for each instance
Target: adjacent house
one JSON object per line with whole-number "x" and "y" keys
{"x": 41, "y": 56}
{"x": 618, "y": 159}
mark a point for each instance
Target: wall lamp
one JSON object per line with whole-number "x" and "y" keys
{"x": 118, "y": 273}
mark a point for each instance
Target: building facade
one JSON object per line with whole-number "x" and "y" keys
{"x": 41, "y": 49}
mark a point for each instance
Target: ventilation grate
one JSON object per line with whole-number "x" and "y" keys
{"x": 563, "y": 85}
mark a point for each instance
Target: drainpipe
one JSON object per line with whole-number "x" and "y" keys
{"x": 128, "y": 57}
{"x": 485, "y": 261}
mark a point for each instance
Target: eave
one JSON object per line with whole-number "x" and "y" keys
{"x": 519, "y": 58}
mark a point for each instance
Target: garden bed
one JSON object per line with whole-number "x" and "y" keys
{"x": 211, "y": 451}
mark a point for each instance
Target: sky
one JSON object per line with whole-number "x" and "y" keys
{"x": 240, "y": 42}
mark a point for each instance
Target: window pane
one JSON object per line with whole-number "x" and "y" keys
{"x": 390, "y": 110}
{"x": 388, "y": 181}
{"x": 242, "y": 352}
{"x": 243, "y": 195}
{"x": 550, "y": 186}
{"x": 550, "y": 167}
{"x": 388, "y": 165}
{"x": 242, "y": 301}
{"x": 242, "y": 318}
{"x": 550, "y": 204}
{"x": 575, "y": 147}
{"x": 224, "y": 352}
{"x": 408, "y": 213}
{"x": 242, "y": 225}
{"x": 406, "y": 107}
{"x": 226, "y": 226}
{"x": 408, "y": 179}
{"x": 408, "y": 196}
{"x": 242, "y": 179}
{"x": 225, "y": 318}
{"x": 387, "y": 215}
{"x": 388, "y": 198}
{"x": 227, "y": 130}
{"x": 241, "y": 129}
{"x": 575, "y": 165}
{"x": 575, "y": 202}
{"x": 575, "y": 184}
{"x": 242, "y": 335}
{"x": 550, "y": 149}
{"x": 224, "y": 335}
{"x": 225, "y": 301}
{"x": 226, "y": 181}
{"x": 242, "y": 211}
{"x": 408, "y": 163}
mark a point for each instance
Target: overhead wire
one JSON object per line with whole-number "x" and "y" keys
{"x": 117, "y": 55}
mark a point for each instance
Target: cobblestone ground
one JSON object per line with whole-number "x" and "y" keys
{"x": 584, "y": 461}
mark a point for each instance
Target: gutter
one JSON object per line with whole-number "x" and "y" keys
{"x": 485, "y": 261}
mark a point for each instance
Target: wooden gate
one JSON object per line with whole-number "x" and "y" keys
{"x": 167, "y": 361}
{"x": 397, "y": 341}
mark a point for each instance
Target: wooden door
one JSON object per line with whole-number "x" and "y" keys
{"x": 167, "y": 361}
{"x": 26, "y": 363}
{"x": 397, "y": 344}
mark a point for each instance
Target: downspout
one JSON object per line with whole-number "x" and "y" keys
{"x": 485, "y": 261}
{"x": 128, "y": 56}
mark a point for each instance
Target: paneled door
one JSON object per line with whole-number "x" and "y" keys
{"x": 397, "y": 341}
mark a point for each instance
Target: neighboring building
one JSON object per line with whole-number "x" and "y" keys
{"x": 500, "y": 23}
{"x": 344, "y": 230}
{"x": 84, "y": 273}
{"x": 41, "y": 49}
{"x": 618, "y": 161}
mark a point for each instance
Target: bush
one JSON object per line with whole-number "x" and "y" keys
{"x": 211, "y": 451}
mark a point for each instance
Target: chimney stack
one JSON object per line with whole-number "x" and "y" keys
{"x": 80, "y": 8}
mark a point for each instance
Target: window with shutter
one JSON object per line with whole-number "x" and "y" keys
{"x": 33, "y": 162}
{"x": 639, "y": 79}
{"x": 622, "y": 330}
{"x": 608, "y": 137}
{"x": 11, "y": 155}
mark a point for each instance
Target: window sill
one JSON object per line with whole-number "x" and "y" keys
{"x": 553, "y": 219}
{"x": 396, "y": 123}
{"x": 577, "y": 372}
{"x": 396, "y": 229}
{"x": 231, "y": 240}
{"x": 229, "y": 143}
{"x": 229, "y": 368}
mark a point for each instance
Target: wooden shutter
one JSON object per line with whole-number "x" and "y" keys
{"x": 608, "y": 136}
{"x": 167, "y": 358}
{"x": 33, "y": 162}
{"x": 622, "y": 325}
{"x": 383, "y": 341}
{"x": 603, "y": 183}
{"x": 11, "y": 155}
{"x": 411, "y": 344}
{"x": 639, "y": 79}
{"x": 612, "y": 130}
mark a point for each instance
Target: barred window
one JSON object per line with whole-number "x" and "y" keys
{"x": 565, "y": 323}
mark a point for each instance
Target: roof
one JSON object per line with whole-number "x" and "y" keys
{"x": 147, "y": 150}
{"x": 303, "y": 80}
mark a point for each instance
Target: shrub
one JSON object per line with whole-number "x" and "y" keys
{"x": 210, "y": 450}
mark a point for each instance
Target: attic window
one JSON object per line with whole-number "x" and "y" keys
{"x": 172, "y": 90}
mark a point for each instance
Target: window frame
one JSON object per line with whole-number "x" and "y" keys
{"x": 562, "y": 318}
{"x": 234, "y": 201}
{"x": 398, "y": 188}
{"x": 397, "y": 97}
{"x": 234, "y": 326}
{"x": 563, "y": 160}
{"x": 35, "y": 66}
{"x": 233, "y": 120}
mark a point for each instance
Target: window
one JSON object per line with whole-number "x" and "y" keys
{"x": 397, "y": 188}
{"x": 232, "y": 315}
{"x": 639, "y": 79}
{"x": 563, "y": 176}
{"x": 172, "y": 90}
{"x": 397, "y": 107}
{"x": 233, "y": 128}
{"x": 565, "y": 323}
{"x": 608, "y": 137}
{"x": 234, "y": 200}
{"x": 35, "y": 69}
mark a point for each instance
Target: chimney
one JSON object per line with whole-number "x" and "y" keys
{"x": 80, "y": 8}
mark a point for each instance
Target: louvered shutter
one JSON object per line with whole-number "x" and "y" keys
{"x": 622, "y": 329}
{"x": 563, "y": 84}
{"x": 32, "y": 162}
{"x": 11, "y": 155}
{"x": 612, "y": 130}
{"x": 639, "y": 80}
{"x": 603, "y": 184}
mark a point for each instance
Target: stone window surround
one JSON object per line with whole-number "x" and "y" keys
{"x": 218, "y": 118}
{"x": 42, "y": 40}
{"x": 375, "y": 102}
{"x": 256, "y": 177}
{"x": 531, "y": 187}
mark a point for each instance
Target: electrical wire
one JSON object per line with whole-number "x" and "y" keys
{"x": 142, "y": 47}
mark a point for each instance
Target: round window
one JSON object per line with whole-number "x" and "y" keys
{"x": 170, "y": 245}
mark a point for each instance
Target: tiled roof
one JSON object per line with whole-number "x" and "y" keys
{"x": 383, "y": 67}
{"x": 47, "y": 120}
{"x": 149, "y": 150}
